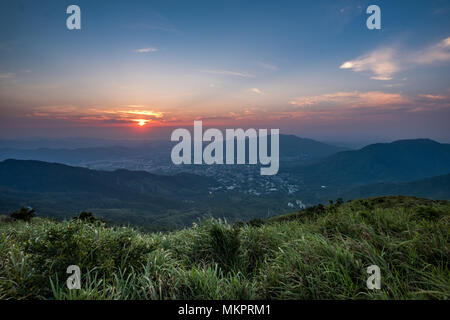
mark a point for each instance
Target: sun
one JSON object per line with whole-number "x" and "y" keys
{"x": 141, "y": 123}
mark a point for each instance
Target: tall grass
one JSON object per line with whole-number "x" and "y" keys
{"x": 318, "y": 253}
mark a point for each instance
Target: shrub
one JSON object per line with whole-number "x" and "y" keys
{"x": 256, "y": 222}
{"x": 24, "y": 214}
{"x": 87, "y": 217}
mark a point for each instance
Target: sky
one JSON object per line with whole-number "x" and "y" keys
{"x": 139, "y": 69}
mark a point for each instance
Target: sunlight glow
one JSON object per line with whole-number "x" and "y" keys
{"x": 142, "y": 122}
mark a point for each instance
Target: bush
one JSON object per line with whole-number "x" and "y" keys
{"x": 87, "y": 217}
{"x": 24, "y": 214}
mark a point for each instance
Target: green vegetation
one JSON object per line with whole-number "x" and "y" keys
{"x": 319, "y": 253}
{"x": 87, "y": 217}
{"x": 126, "y": 197}
{"x": 24, "y": 214}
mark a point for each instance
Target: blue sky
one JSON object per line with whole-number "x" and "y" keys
{"x": 310, "y": 68}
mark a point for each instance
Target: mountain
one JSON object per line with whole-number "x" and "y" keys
{"x": 399, "y": 161}
{"x": 58, "y": 143}
{"x": 292, "y": 148}
{"x": 432, "y": 188}
{"x": 79, "y": 156}
{"x": 228, "y": 192}
{"x": 124, "y": 196}
{"x": 38, "y": 176}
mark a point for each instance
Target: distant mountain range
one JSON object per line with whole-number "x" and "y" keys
{"x": 399, "y": 161}
{"x": 407, "y": 167}
{"x": 125, "y": 196}
{"x": 84, "y": 155}
{"x": 292, "y": 148}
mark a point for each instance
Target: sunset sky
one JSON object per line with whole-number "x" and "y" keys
{"x": 310, "y": 68}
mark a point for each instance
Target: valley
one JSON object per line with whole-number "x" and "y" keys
{"x": 127, "y": 185}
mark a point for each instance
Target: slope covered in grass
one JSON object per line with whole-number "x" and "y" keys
{"x": 318, "y": 253}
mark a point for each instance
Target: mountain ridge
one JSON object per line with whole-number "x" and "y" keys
{"x": 52, "y": 177}
{"x": 291, "y": 146}
{"x": 436, "y": 188}
{"x": 401, "y": 160}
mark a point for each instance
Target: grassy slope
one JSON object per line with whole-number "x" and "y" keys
{"x": 319, "y": 253}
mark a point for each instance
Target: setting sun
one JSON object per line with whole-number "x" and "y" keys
{"x": 142, "y": 123}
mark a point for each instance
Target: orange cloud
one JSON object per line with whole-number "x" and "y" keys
{"x": 94, "y": 114}
{"x": 324, "y": 107}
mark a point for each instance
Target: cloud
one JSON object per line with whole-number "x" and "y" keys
{"x": 431, "y": 102}
{"x": 146, "y": 50}
{"x": 347, "y": 104}
{"x": 381, "y": 63}
{"x": 127, "y": 114}
{"x": 385, "y": 62}
{"x": 154, "y": 21}
{"x": 7, "y": 75}
{"x": 354, "y": 99}
{"x": 393, "y": 85}
{"x": 256, "y": 90}
{"x": 439, "y": 52}
{"x": 433, "y": 96}
{"x": 229, "y": 73}
{"x": 267, "y": 66}
{"x": 150, "y": 113}
{"x": 354, "y": 106}
{"x": 156, "y": 26}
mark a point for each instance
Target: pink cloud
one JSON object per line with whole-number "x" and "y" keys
{"x": 354, "y": 99}
{"x": 433, "y": 96}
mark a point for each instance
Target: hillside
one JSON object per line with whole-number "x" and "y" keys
{"x": 318, "y": 253}
{"x": 140, "y": 197}
{"x": 123, "y": 196}
{"x": 399, "y": 161}
{"x": 432, "y": 188}
{"x": 38, "y": 176}
{"x": 292, "y": 147}
{"x": 137, "y": 197}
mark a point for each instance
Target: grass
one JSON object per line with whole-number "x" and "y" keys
{"x": 319, "y": 253}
